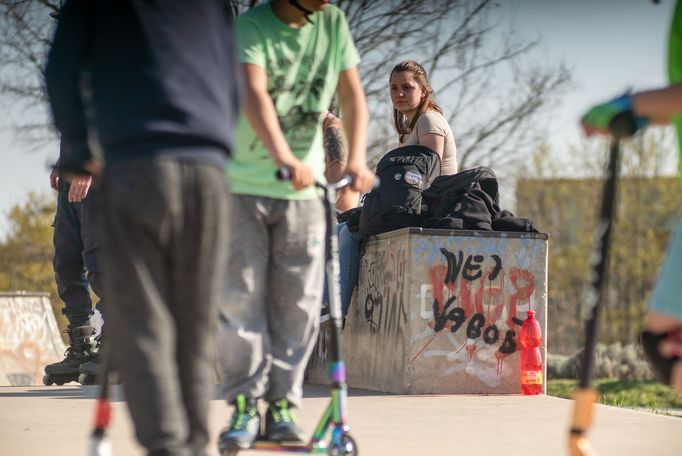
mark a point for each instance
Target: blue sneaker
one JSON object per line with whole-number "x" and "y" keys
{"x": 280, "y": 424}
{"x": 244, "y": 426}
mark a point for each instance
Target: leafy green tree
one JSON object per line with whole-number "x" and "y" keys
{"x": 26, "y": 252}
{"x": 648, "y": 207}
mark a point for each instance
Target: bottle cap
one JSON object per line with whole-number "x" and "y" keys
{"x": 530, "y": 314}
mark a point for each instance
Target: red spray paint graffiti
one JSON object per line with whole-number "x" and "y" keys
{"x": 475, "y": 295}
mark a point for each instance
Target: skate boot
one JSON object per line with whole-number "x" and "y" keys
{"x": 89, "y": 371}
{"x": 244, "y": 427}
{"x": 280, "y": 424}
{"x": 79, "y": 351}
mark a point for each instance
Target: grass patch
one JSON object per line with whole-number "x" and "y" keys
{"x": 622, "y": 393}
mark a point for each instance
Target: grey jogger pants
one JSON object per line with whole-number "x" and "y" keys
{"x": 164, "y": 243}
{"x": 269, "y": 320}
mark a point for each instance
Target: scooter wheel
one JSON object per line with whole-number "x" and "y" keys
{"x": 227, "y": 448}
{"x": 348, "y": 447}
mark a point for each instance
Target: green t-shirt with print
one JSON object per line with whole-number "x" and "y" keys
{"x": 302, "y": 67}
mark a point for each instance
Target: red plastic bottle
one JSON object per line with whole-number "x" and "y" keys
{"x": 531, "y": 358}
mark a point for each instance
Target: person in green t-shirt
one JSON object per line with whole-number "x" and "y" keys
{"x": 662, "y": 335}
{"x": 295, "y": 55}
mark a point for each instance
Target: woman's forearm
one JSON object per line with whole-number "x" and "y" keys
{"x": 658, "y": 105}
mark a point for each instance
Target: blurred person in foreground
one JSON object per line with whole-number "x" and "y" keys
{"x": 295, "y": 56}
{"x": 662, "y": 334}
{"x": 164, "y": 101}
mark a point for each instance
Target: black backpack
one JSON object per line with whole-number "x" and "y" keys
{"x": 397, "y": 203}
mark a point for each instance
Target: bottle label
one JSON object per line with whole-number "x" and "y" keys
{"x": 531, "y": 378}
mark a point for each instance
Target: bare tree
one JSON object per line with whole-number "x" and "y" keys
{"x": 25, "y": 32}
{"x": 483, "y": 78}
{"x": 477, "y": 72}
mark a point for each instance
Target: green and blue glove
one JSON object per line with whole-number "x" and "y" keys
{"x": 615, "y": 117}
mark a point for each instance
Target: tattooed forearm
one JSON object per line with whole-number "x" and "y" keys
{"x": 335, "y": 146}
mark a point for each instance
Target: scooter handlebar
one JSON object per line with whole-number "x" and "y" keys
{"x": 285, "y": 174}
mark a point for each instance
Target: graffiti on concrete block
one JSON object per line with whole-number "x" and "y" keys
{"x": 384, "y": 306}
{"x": 318, "y": 359}
{"x": 475, "y": 295}
{"x": 29, "y": 339}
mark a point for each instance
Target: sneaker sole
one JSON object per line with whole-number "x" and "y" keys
{"x": 290, "y": 437}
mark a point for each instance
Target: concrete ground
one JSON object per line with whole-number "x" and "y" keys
{"x": 57, "y": 421}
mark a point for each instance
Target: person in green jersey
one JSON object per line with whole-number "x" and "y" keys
{"x": 662, "y": 335}
{"x": 295, "y": 55}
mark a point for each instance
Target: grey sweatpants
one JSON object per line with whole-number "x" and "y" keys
{"x": 164, "y": 243}
{"x": 269, "y": 320}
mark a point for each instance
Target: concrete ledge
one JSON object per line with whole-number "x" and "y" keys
{"x": 438, "y": 312}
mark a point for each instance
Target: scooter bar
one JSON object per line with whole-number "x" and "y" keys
{"x": 285, "y": 174}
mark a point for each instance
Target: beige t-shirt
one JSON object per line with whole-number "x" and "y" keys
{"x": 433, "y": 122}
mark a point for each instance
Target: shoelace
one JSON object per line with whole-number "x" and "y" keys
{"x": 281, "y": 413}
{"x": 241, "y": 414}
{"x": 239, "y": 420}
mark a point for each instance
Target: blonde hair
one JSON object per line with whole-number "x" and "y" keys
{"x": 427, "y": 104}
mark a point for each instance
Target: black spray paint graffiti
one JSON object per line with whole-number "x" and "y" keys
{"x": 384, "y": 308}
{"x": 457, "y": 316}
{"x": 469, "y": 302}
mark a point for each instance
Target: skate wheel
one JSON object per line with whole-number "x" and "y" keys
{"x": 47, "y": 380}
{"x": 348, "y": 447}
{"x": 86, "y": 379}
{"x": 59, "y": 382}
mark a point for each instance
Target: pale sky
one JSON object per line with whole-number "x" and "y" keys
{"x": 608, "y": 45}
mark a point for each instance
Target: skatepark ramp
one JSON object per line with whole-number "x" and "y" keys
{"x": 29, "y": 338}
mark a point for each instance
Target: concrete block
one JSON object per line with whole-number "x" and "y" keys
{"x": 439, "y": 312}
